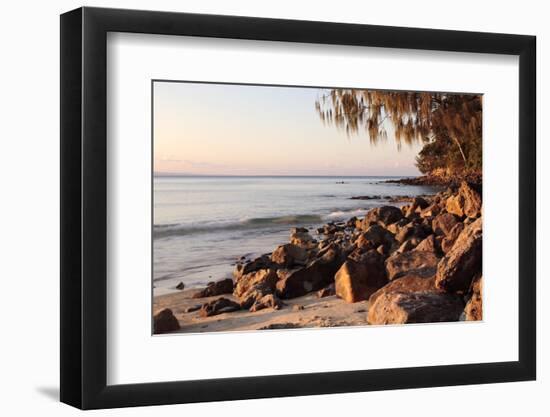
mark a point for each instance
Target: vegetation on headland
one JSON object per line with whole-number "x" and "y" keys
{"x": 449, "y": 125}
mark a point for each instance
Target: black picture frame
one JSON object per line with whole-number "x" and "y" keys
{"x": 84, "y": 207}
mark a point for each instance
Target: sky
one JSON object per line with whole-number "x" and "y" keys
{"x": 219, "y": 129}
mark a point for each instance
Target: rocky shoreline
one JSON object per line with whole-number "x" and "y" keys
{"x": 419, "y": 263}
{"x": 443, "y": 179}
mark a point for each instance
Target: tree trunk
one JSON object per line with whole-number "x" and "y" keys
{"x": 459, "y": 148}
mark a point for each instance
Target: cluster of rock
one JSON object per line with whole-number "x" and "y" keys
{"x": 415, "y": 264}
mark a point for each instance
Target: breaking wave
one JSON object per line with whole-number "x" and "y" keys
{"x": 181, "y": 229}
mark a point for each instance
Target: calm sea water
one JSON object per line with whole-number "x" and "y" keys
{"x": 203, "y": 225}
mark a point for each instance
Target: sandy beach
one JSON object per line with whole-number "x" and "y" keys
{"x": 329, "y": 311}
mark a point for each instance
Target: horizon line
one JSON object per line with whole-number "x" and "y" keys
{"x": 182, "y": 174}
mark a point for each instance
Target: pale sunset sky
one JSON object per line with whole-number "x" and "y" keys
{"x": 216, "y": 129}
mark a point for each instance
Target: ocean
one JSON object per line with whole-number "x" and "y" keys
{"x": 204, "y": 224}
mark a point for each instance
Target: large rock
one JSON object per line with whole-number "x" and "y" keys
{"x": 428, "y": 245}
{"x": 395, "y": 227}
{"x": 165, "y": 321}
{"x": 254, "y": 286}
{"x": 255, "y": 294}
{"x": 420, "y": 203}
{"x": 261, "y": 262}
{"x": 474, "y": 308}
{"x": 317, "y": 274}
{"x": 351, "y": 222}
{"x": 415, "y": 307}
{"x": 442, "y": 224}
{"x": 289, "y": 255}
{"x": 455, "y": 205}
{"x": 459, "y": 266}
{"x": 448, "y": 241}
{"x": 267, "y": 301}
{"x": 407, "y": 283}
{"x": 357, "y": 280}
{"x": 415, "y": 262}
{"x": 218, "y": 306}
{"x": 432, "y": 210}
{"x": 384, "y": 215}
{"x": 373, "y": 237}
{"x": 301, "y": 237}
{"x": 362, "y": 244}
{"x": 467, "y": 202}
{"x": 224, "y": 286}
{"x": 408, "y": 245}
{"x": 409, "y": 211}
{"x": 410, "y": 231}
{"x": 252, "y": 279}
{"x": 472, "y": 200}
{"x": 330, "y": 229}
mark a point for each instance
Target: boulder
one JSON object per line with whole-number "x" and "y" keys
{"x": 414, "y": 307}
{"x": 455, "y": 205}
{"x": 254, "y": 294}
{"x": 408, "y": 245}
{"x": 330, "y": 229}
{"x": 395, "y": 227}
{"x": 165, "y": 321}
{"x": 224, "y": 286}
{"x": 363, "y": 244}
{"x": 467, "y": 202}
{"x": 357, "y": 280}
{"x": 351, "y": 222}
{"x": 267, "y": 301}
{"x": 449, "y": 240}
{"x": 384, "y": 215}
{"x": 410, "y": 231}
{"x": 262, "y": 276}
{"x": 428, "y": 245}
{"x": 417, "y": 205}
{"x": 443, "y": 223}
{"x": 289, "y": 255}
{"x": 407, "y": 283}
{"x": 218, "y": 306}
{"x": 409, "y": 211}
{"x": 420, "y": 203}
{"x": 421, "y": 263}
{"x": 302, "y": 238}
{"x": 317, "y": 274}
{"x": 474, "y": 308}
{"x": 328, "y": 291}
{"x": 426, "y": 224}
{"x": 261, "y": 262}
{"x": 180, "y": 286}
{"x": 472, "y": 200}
{"x": 376, "y": 235}
{"x": 459, "y": 266}
{"x": 431, "y": 211}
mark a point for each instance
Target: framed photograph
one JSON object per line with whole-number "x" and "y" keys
{"x": 256, "y": 208}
